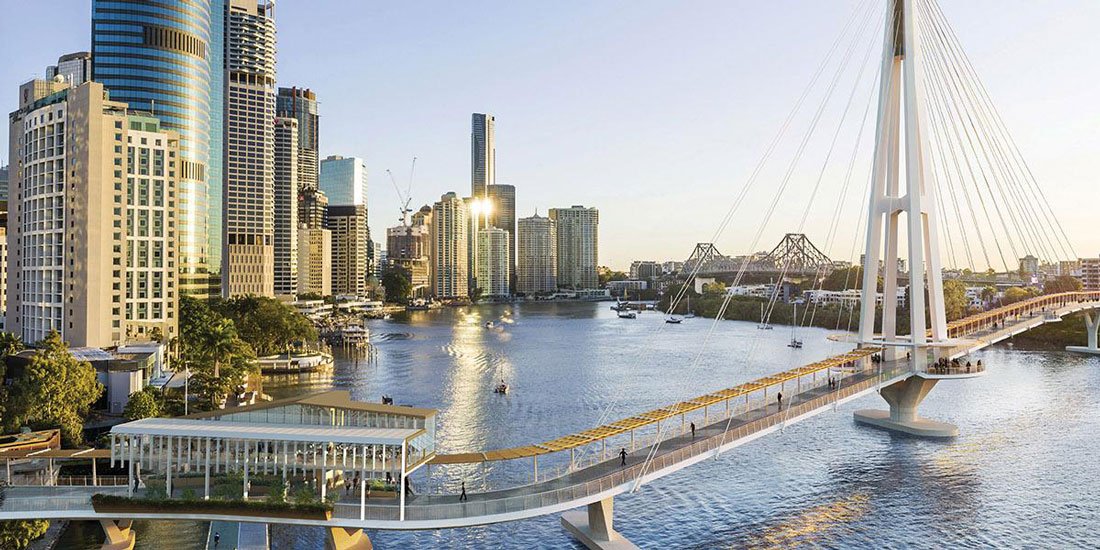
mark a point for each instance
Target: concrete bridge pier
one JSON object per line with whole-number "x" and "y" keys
{"x": 120, "y": 535}
{"x": 1092, "y": 324}
{"x": 595, "y": 529}
{"x": 904, "y": 397}
{"x": 341, "y": 538}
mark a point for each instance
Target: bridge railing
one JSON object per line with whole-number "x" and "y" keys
{"x": 613, "y": 476}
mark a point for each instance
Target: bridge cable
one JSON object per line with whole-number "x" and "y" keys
{"x": 975, "y": 118}
{"x": 814, "y": 122}
{"x": 740, "y": 197}
{"x": 936, "y": 94}
{"x": 1043, "y": 241}
{"x": 1020, "y": 162}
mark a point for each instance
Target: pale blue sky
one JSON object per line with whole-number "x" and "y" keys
{"x": 655, "y": 112}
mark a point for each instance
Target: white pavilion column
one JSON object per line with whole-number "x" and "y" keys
{"x": 362, "y": 495}
{"x": 206, "y": 480}
{"x": 129, "y": 468}
{"x": 168, "y": 469}
{"x": 245, "y": 488}
{"x": 324, "y": 476}
{"x": 404, "y": 445}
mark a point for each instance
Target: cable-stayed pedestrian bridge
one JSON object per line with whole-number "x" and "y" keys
{"x": 951, "y": 157}
{"x": 331, "y": 441}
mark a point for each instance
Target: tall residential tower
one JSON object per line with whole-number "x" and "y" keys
{"x": 483, "y": 155}
{"x": 449, "y": 234}
{"x": 537, "y": 256}
{"x": 93, "y": 223}
{"x": 577, "y": 246}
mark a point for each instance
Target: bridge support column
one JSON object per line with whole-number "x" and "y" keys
{"x": 594, "y": 529}
{"x": 904, "y": 397}
{"x": 342, "y": 538}
{"x": 1092, "y": 326}
{"x": 120, "y": 535}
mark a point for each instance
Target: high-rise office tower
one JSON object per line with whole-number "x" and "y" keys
{"x": 449, "y": 235}
{"x": 537, "y": 257}
{"x": 3, "y": 183}
{"x": 93, "y": 226}
{"x": 166, "y": 57}
{"x": 4, "y": 275}
{"x": 577, "y": 246}
{"x": 344, "y": 180}
{"x": 74, "y": 68}
{"x": 314, "y": 249}
{"x": 301, "y": 105}
{"x": 502, "y": 214}
{"x": 286, "y": 206}
{"x": 351, "y": 249}
{"x": 493, "y": 267}
{"x": 250, "y": 149}
{"x": 483, "y": 154}
{"x": 314, "y": 261}
{"x": 377, "y": 259}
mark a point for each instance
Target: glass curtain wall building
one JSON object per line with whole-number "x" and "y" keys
{"x": 166, "y": 57}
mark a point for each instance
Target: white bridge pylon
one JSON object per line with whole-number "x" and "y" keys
{"x": 900, "y": 93}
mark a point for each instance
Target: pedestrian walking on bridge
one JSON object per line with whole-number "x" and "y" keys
{"x": 622, "y": 455}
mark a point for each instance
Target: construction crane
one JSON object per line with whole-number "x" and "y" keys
{"x": 406, "y": 197}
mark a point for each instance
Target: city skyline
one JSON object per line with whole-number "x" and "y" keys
{"x": 563, "y": 145}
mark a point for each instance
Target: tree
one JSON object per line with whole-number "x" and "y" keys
{"x": 220, "y": 340}
{"x": 988, "y": 294}
{"x": 398, "y": 284}
{"x": 9, "y": 344}
{"x": 1016, "y": 294}
{"x": 266, "y": 324}
{"x": 955, "y": 302}
{"x": 55, "y": 391}
{"x": 16, "y": 535}
{"x": 606, "y": 275}
{"x": 142, "y": 404}
{"x": 846, "y": 279}
{"x": 1062, "y": 283}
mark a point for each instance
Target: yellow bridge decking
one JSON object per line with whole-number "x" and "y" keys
{"x": 956, "y": 329}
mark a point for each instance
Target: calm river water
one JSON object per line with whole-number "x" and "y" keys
{"x": 1023, "y": 473}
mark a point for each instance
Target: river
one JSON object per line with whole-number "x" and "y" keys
{"x": 1023, "y": 471}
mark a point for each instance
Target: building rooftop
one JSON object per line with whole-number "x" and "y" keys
{"x": 190, "y": 427}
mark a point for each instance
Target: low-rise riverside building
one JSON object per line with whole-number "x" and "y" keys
{"x": 321, "y": 441}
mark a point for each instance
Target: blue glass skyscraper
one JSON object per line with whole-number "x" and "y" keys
{"x": 167, "y": 57}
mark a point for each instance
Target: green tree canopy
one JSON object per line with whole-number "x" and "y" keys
{"x": 846, "y": 279}
{"x": 17, "y": 535}
{"x": 9, "y": 344}
{"x": 1062, "y": 283}
{"x": 266, "y": 324}
{"x": 1017, "y": 294}
{"x": 398, "y": 284}
{"x": 55, "y": 391}
{"x": 143, "y": 404}
{"x": 955, "y": 302}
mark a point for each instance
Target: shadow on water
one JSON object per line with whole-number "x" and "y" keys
{"x": 151, "y": 535}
